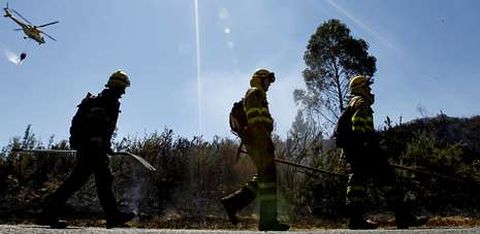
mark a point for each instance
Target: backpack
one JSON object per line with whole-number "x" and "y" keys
{"x": 79, "y": 123}
{"x": 238, "y": 119}
{"x": 343, "y": 130}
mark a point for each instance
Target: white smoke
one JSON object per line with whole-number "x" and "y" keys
{"x": 12, "y": 57}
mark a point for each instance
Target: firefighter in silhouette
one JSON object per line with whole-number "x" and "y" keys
{"x": 90, "y": 134}
{"x": 367, "y": 161}
{"x": 260, "y": 148}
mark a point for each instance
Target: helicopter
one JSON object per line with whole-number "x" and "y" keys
{"x": 31, "y": 31}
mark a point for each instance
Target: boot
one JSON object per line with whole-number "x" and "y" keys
{"x": 120, "y": 220}
{"x": 231, "y": 210}
{"x": 410, "y": 221}
{"x": 361, "y": 223}
{"x": 49, "y": 217}
{"x": 236, "y": 201}
{"x": 53, "y": 222}
{"x": 357, "y": 221}
{"x": 273, "y": 226}
{"x": 405, "y": 219}
{"x": 268, "y": 216}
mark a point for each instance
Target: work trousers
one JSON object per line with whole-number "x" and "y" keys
{"x": 264, "y": 183}
{"x": 89, "y": 161}
{"x": 370, "y": 164}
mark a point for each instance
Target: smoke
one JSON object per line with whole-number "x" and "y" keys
{"x": 12, "y": 57}
{"x": 135, "y": 194}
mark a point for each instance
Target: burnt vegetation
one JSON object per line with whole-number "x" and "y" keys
{"x": 192, "y": 174}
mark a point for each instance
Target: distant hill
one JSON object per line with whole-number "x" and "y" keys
{"x": 441, "y": 145}
{"x": 443, "y": 130}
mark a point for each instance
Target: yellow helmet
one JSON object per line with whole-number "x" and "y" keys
{"x": 358, "y": 83}
{"x": 263, "y": 73}
{"x": 118, "y": 79}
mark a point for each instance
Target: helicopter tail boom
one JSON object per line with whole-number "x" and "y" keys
{"x": 7, "y": 12}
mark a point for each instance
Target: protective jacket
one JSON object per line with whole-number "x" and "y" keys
{"x": 256, "y": 108}
{"x": 363, "y": 131}
{"x": 96, "y": 118}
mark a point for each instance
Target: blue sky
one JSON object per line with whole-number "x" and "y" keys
{"x": 427, "y": 59}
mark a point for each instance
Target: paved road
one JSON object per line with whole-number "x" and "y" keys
{"x": 95, "y": 230}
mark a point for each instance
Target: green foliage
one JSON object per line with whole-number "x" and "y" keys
{"x": 332, "y": 57}
{"x": 326, "y": 193}
{"x": 311, "y": 193}
{"x": 440, "y": 146}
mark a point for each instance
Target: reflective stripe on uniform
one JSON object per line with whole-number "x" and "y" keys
{"x": 259, "y": 119}
{"x": 268, "y": 197}
{"x": 259, "y": 110}
{"x": 360, "y": 124}
{"x": 362, "y": 120}
{"x": 258, "y": 114}
{"x": 355, "y": 189}
{"x": 267, "y": 185}
{"x": 267, "y": 191}
{"x": 360, "y": 129}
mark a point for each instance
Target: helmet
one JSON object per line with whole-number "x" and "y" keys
{"x": 263, "y": 73}
{"x": 118, "y": 79}
{"x": 358, "y": 83}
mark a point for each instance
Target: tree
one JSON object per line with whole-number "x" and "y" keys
{"x": 303, "y": 145}
{"x": 304, "y": 140}
{"x": 332, "y": 57}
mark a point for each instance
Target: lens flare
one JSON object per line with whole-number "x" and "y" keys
{"x": 199, "y": 81}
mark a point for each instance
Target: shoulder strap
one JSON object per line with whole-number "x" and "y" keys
{"x": 87, "y": 99}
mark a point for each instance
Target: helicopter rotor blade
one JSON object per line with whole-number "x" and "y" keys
{"x": 18, "y": 29}
{"x": 44, "y": 25}
{"x": 21, "y": 16}
{"x": 48, "y": 35}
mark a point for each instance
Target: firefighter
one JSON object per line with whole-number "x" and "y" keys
{"x": 367, "y": 161}
{"x": 90, "y": 134}
{"x": 260, "y": 148}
